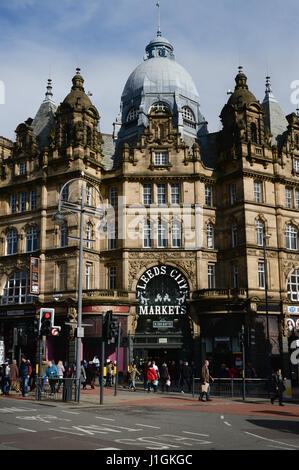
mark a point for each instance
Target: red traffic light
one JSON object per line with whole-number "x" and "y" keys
{"x": 47, "y": 315}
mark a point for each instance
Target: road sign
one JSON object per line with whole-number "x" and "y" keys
{"x": 55, "y": 332}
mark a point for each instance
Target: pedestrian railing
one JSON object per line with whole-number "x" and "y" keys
{"x": 56, "y": 389}
{"x": 238, "y": 387}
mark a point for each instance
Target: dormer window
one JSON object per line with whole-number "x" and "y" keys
{"x": 160, "y": 107}
{"x": 161, "y": 158}
{"x": 188, "y": 117}
{"x": 22, "y": 168}
{"x": 132, "y": 114}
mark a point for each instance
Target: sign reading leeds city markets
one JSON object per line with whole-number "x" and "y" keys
{"x": 162, "y": 290}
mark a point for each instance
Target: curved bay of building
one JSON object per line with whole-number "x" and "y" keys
{"x": 180, "y": 255}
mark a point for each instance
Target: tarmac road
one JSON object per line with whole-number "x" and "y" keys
{"x": 144, "y": 422}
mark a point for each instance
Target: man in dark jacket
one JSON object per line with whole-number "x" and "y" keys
{"x": 25, "y": 372}
{"x": 186, "y": 377}
{"x": 278, "y": 387}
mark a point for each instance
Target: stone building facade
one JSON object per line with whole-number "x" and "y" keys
{"x": 179, "y": 256}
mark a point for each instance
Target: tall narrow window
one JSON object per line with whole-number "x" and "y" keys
{"x": 259, "y": 232}
{"x": 111, "y": 277}
{"x": 236, "y": 276}
{"x": 63, "y": 235}
{"x": 62, "y": 277}
{"x": 296, "y": 165}
{"x": 162, "y": 234}
{"x": 161, "y": 193}
{"x": 233, "y": 193}
{"x": 147, "y": 194}
{"x": 257, "y": 191}
{"x": 210, "y": 236}
{"x": 291, "y": 237}
{"x": 88, "y": 270}
{"x": 13, "y": 203}
{"x": 22, "y": 201}
{"x": 22, "y": 168}
{"x": 12, "y": 242}
{"x": 32, "y": 199}
{"x": 31, "y": 239}
{"x": 88, "y": 195}
{"x": 234, "y": 235}
{"x": 65, "y": 193}
{"x": 261, "y": 275}
{"x": 175, "y": 193}
{"x": 209, "y": 195}
{"x": 211, "y": 276}
{"x": 112, "y": 196}
{"x": 147, "y": 235}
{"x": 297, "y": 198}
{"x": 289, "y": 198}
{"x": 176, "y": 234}
{"x": 253, "y": 130}
{"x": 88, "y": 235}
{"x": 293, "y": 285}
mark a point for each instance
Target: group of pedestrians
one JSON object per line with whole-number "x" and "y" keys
{"x": 14, "y": 377}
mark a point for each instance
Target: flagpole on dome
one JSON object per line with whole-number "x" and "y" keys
{"x": 159, "y": 25}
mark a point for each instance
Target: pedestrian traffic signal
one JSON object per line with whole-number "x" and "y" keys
{"x": 46, "y": 321}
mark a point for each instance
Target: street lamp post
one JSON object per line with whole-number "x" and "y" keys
{"x": 266, "y": 237}
{"x": 82, "y": 209}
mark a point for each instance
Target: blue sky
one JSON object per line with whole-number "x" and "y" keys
{"x": 107, "y": 38}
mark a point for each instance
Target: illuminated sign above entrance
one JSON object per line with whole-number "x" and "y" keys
{"x": 162, "y": 290}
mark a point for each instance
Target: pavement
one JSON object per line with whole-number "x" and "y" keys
{"x": 179, "y": 401}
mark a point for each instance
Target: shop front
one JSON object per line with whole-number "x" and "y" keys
{"x": 163, "y": 328}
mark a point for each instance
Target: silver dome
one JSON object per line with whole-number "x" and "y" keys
{"x": 160, "y": 75}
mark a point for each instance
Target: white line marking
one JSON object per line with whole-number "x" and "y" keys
{"x": 277, "y": 447}
{"x": 227, "y": 424}
{"x": 196, "y": 434}
{"x": 147, "y": 426}
{"x": 71, "y": 412}
{"x": 29, "y": 430}
{"x": 271, "y": 440}
{"x": 106, "y": 419}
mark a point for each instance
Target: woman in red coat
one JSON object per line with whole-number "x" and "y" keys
{"x": 152, "y": 378}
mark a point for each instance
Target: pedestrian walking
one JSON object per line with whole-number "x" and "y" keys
{"x": 91, "y": 374}
{"x": 144, "y": 372}
{"x": 133, "y": 372}
{"x": 173, "y": 373}
{"x": 52, "y": 375}
{"x": 109, "y": 374}
{"x": 164, "y": 377}
{"x": 6, "y": 378}
{"x": 180, "y": 375}
{"x": 14, "y": 374}
{"x": 206, "y": 380}
{"x": 61, "y": 371}
{"x": 152, "y": 378}
{"x": 186, "y": 377}
{"x": 278, "y": 387}
{"x": 1, "y": 379}
{"x": 25, "y": 372}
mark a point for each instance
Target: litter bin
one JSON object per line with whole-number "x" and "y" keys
{"x": 67, "y": 390}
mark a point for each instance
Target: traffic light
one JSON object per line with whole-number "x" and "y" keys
{"x": 110, "y": 326}
{"x": 46, "y": 321}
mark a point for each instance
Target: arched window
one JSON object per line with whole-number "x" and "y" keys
{"x": 260, "y": 229}
{"x": 11, "y": 242}
{"x": 31, "y": 239}
{"x": 293, "y": 285}
{"x": 63, "y": 235}
{"x": 188, "y": 114}
{"x": 253, "y": 131}
{"x": 160, "y": 107}
{"x": 291, "y": 237}
{"x": 210, "y": 236}
{"x": 132, "y": 114}
{"x": 16, "y": 289}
